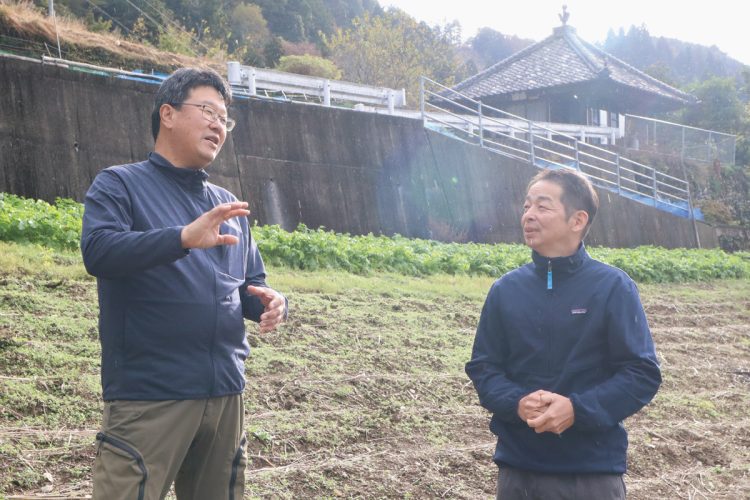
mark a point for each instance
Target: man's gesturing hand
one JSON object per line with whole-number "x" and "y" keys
{"x": 558, "y": 416}
{"x": 274, "y": 305}
{"x": 203, "y": 232}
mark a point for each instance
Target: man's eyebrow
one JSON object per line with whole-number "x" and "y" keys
{"x": 210, "y": 103}
{"x": 542, "y": 197}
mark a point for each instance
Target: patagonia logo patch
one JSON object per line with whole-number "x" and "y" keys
{"x": 578, "y": 311}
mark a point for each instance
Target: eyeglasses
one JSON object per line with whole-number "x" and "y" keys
{"x": 211, "y": 115}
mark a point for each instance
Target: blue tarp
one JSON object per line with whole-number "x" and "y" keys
{"x": 153, "y": 78}
{"x": 679, "y": 208}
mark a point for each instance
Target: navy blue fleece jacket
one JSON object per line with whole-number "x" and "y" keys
{"x": 587, "y": 339}
{"x": 171, "y": 320}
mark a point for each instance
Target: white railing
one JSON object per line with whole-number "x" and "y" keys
{"x": 542, "y": 146}
{"x": 508, "y": 125}
{"x": 257, "y": 80}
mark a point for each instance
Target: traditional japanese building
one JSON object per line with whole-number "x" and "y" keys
{"x": 564, "y": 79}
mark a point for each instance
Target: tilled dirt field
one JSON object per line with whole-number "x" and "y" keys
{"x": 362, "y": 393}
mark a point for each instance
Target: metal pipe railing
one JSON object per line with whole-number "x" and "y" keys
{"x": 602, "y": 166}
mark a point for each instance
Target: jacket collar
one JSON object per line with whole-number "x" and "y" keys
{"x": 190, "y": 179}
{"x": 568, "y": 264}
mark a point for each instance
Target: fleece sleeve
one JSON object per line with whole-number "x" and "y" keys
{"x": 635, "y": 371}
{"x": 109, "y": 245}
{"x": 497, "y": 393}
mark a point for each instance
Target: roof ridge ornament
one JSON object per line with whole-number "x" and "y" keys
{"x": 605, "y": 72}
{"x": 565, "y": 15}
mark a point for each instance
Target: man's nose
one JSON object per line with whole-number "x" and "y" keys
{"x": 217, "y": 126}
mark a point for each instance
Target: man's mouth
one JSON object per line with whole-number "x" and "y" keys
{"x": 213, "y": 139}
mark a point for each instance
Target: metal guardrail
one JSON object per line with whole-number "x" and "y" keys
{"x": 252, "y": 79}
{"x": 542, "y": 146}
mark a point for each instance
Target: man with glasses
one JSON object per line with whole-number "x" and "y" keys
{"x": 177, "y": 273}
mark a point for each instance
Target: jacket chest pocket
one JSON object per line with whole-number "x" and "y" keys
{"x": 568, "y": 320}
{"x": 231, "y": 259}
{"x": 579, "y": 330}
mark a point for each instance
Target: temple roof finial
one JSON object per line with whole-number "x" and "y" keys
{"x": 565, "y": 15}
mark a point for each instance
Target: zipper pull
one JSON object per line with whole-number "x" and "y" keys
{"x": 549, "y": 275}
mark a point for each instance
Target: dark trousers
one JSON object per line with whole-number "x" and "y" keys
{"x": 516, "y": 484}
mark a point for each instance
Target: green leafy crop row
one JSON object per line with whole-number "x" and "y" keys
{"x": 36, "y": 221}
{"x": 59, "y": 226}
{"x": 314, "y": 249}
{"x": 320, "y": 249}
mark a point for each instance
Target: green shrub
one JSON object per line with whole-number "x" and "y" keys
{"x": 716, "y": 212}
{"x": 309, "y": 65}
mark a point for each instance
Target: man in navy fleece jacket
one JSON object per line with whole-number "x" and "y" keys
{"x": 562, "y": 354}
{"x": 177, "y": 271}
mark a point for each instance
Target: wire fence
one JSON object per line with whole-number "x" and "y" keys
{"x": 679, "y": 141}
{"x": 25, "y": 47}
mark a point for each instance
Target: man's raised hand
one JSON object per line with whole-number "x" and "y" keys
{"x": 203, "y": 232}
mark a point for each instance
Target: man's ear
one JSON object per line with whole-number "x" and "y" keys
{"x": 578, "y": 221}
{"x": 167, "y": 116}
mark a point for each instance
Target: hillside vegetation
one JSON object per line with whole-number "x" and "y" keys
{"x": 27, "y": 31}
{"x": 674, "y": 61}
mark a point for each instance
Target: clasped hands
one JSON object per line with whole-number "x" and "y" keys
{"x": 546, "y": 411}
{"x": 204, "y": 232}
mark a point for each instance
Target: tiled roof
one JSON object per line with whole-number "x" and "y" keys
{"x": 562, "y": 59}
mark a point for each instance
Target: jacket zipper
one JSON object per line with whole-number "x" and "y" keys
{"x": 550, "y": 307}
{"x": 549, "y": 275}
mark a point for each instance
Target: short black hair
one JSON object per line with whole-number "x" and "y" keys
{"x": 577, "y": 191}
{"x": 177, "y": 86}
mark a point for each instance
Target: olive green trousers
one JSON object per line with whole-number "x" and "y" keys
{"x": 145, "y": 446}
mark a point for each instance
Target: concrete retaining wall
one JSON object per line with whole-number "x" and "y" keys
{"x": 346, "y": 170}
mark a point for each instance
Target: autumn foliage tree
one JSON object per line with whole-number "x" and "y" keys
{"x": 394, "y": 50}
{"x": 249, "y": 33}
